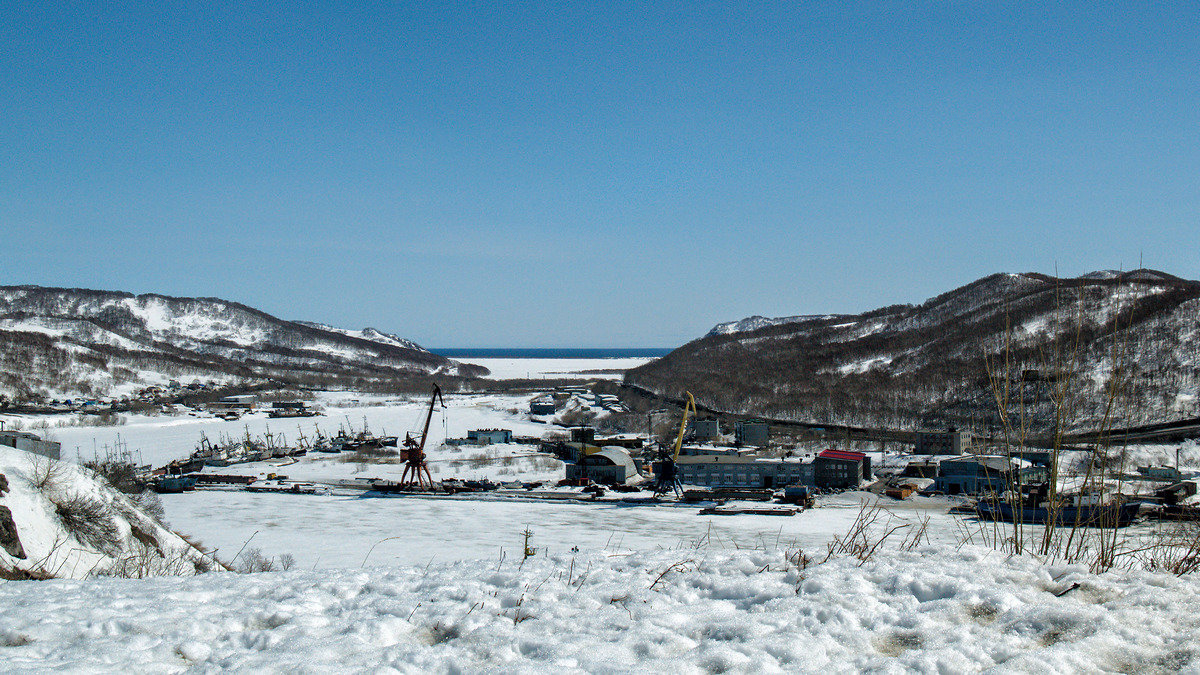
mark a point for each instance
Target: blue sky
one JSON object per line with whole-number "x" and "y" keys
{"x": 594, "y": 174}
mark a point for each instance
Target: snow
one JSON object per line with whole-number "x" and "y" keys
{"x": 416, "y": 584}
{"x": 691, "y": 610}
{"x": 50, "y": 546}
{"x": 339, "y": 531}
{"x": 756, "y": 322}
{"x": 865, "y": 365}
{"x": 580, "y": 369}
{"x": 369, "y": 334}
{"x": 157, "y": 439}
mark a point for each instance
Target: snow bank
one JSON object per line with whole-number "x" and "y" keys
{"x": 937, "y": 609}
{"x": 71, "y": 524}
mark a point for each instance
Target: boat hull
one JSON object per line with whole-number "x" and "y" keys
{"x": 1111, "y": 515}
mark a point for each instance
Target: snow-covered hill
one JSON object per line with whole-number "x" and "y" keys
{"x": 61, "y": 521}
{"x": 937, "y": 609}
{"x": 756, "y": 322}
{"x": 934, "y": 364}
{"x": 59, "y": 341}
{"x": 369, "y": 334}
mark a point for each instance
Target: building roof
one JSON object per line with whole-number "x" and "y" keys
{"x": 618, "y": 457}
{"x": 846, "y": 455}
{"x": 991, "y": 462}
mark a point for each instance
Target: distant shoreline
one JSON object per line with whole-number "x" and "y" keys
{"x": 550, "y": 352}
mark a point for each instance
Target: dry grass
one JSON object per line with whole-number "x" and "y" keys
{"x": 871, "y": 529}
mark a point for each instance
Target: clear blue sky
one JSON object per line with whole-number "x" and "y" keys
{"x": 596, "y": 174}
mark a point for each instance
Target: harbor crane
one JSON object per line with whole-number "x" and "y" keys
{"x": 664, "y": 467}
{"x": 413, "y": 454}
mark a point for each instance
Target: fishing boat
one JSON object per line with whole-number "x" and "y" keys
{"x": 1110, "y": 514}
{"x": 285, "y": 487}
{"x": 174, "y": 484}
{"x": 748, "y": 511}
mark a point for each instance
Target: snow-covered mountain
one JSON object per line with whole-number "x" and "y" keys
{"x": 75, "y": 341}
{"x": 935, "y": 363}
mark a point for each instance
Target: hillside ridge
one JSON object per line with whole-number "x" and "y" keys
{"x": 71, "y": 341}
{"x": 937, "y": 363}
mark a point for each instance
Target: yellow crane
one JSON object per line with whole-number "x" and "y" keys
{"x": 664, "y": 468}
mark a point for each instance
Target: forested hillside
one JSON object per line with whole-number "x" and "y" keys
{"x": 1123, "y": 345}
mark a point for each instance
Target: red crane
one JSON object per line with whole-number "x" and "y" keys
{"x": 413, "y": 454}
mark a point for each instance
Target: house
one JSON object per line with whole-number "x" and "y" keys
{"x": 30, "y": 443}
{"x": 489, "y": 436}
{"x": 241, "y": 403}
{"x": 607, "y": 466}
{"x": 841, "y": 469}
{"x": 290, "y": 409}
{"x": 752, "y": 432}
{"x": 949, "y": 442}
{"x": 542, "y": 406}
{"x": 1177, "y": 493}
{"x": 980, "y": 474}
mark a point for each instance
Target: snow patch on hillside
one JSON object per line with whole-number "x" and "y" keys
{"x": 756, "y": 322}
{"x": 369, "y": 334}
{"x": 49, "y": 520}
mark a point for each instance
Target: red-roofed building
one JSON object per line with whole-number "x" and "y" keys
{"x": 841, "y": 469}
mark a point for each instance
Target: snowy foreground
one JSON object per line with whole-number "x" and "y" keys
{"x": 939, "y": 609}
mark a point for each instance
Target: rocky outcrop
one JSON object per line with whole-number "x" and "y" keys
{"x": 10, "y": 541}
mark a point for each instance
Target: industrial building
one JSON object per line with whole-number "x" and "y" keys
{"x": 942, "y": 442}
{"x": 730, "y": 467}
{"x": 607, "y": 466}
{"x": 241, "y": 403}
{"x": 489, "y": 436}
{"x": 30, "y": 443}
{"x": 742, "y": 470}
{"x": 752, "y": 432}
{"x": 704, "y": 430}
{"x": 841, "y": 469}
{"x": 977, "y": 475}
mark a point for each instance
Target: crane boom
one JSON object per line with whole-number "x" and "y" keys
{"x": 690, "y": 405}
{"x": 437, "y": 396}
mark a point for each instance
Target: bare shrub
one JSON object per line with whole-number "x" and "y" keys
{"x": 17, "y": 574}
{"x": 45, "y": 474}
{"x": 370, "y": 456}
{"x": 90, "y": 521}
{"x": 252, "y": 560}
{"x": 1175, "y": 550}
{"x": 121, "y": 475}
{"x": 151, "y": 504}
